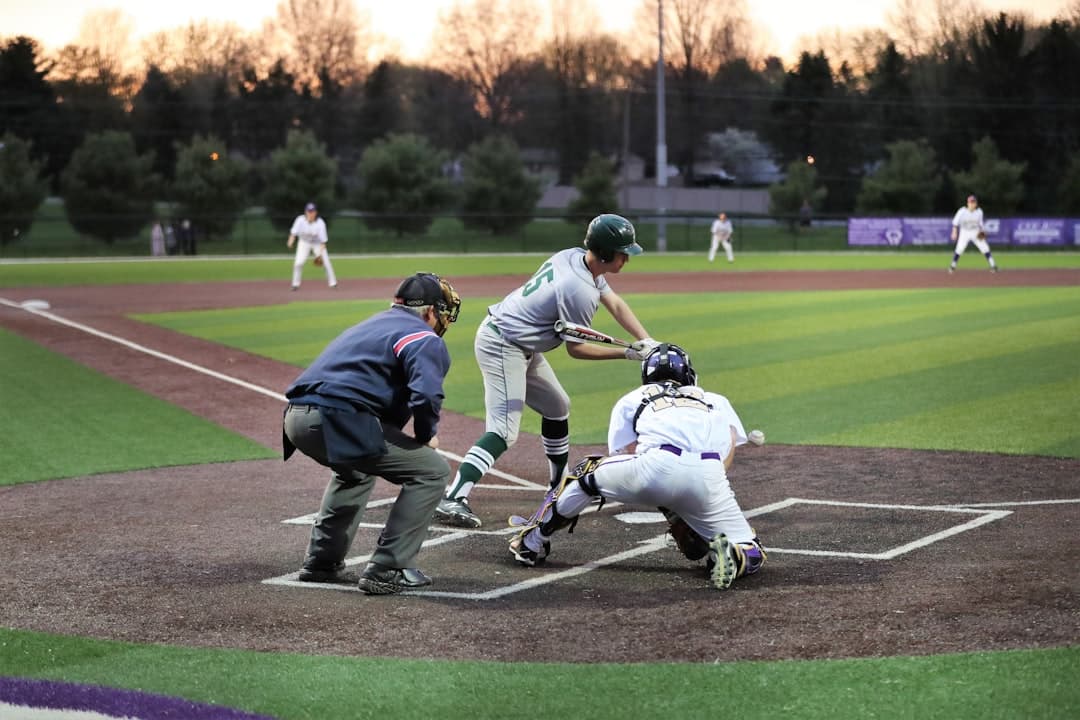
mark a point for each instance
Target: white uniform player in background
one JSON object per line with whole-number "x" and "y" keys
{"x": 967, "y": 227}
{"x": 510, "y": 345}
{"x": 683, "y": 441}
{"x": 308, "y": 233}
{"x": 721, "y": 235}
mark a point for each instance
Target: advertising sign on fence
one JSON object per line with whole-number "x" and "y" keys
{"x": 1020, "y": 232}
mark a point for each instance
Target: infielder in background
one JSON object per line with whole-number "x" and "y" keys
{"x": 347, "y": 411}
{"x": 721, "y": 235}
{"x": 967, "y": 226}
{"x": 510, "y": 345}
{"x": 683, "y": 441}
{"x": 310, "y": 230}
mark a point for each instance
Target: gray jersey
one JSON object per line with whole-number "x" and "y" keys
{"x": 562, "y": 289}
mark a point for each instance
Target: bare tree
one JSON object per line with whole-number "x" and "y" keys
{"x": 200, "y": 48}
{"x": 922, "y": 27}
{"x": 858, "y": 49}
{"x": 699, "y": 35}
{"x": 483, "y": 43}
{"x": 323, "y": 40}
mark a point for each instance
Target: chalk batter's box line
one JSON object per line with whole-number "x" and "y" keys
{"x": 659, "y": 542}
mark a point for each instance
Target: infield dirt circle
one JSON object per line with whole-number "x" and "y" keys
{"x": 873, "y": 551}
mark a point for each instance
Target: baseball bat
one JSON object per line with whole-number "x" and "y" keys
{"x": 580, "y": 332}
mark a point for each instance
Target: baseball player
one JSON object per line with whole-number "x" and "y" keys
{"x": 510, "y": 345}
{"x": 683, "y": 441}
{"x": 967, "y": 226}
{"x": 347, "y": 410}
{"x": 721, "y": 235}
{"x": 310, "y": 230}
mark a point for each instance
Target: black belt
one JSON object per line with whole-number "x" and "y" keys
{"x": 679, "y": 451}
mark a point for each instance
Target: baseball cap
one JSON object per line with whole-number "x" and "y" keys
{"x": 310, "y": 206}
{"x": 419, "y": 290}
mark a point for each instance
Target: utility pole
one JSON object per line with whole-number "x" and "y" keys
{"x": 661, "y": 134}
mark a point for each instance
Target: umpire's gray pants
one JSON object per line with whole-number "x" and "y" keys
{"x": 421, "y": 473}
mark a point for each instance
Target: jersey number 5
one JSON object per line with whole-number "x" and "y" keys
{"x": 546, "y": 273}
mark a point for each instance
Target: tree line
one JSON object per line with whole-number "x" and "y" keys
{"x": 947, "y": 100}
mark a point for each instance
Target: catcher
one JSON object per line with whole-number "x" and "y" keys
{"x": 683, "y": 441}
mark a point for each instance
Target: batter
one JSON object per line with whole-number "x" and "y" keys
{"x": 510, "y": 345}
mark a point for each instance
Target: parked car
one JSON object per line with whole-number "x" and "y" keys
{"x": 710, "y": 175}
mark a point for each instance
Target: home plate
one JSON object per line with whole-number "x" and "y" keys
{"x": 641, "y": 518}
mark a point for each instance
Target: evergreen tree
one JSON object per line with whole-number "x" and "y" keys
{"x": 210, "y": 186}
{"x": 401, "y": 180}
{"x": 108, "y": 188}
{"x": 995, "y": 180}
{"x": 22, "y": 189}
{"x": 906, "y": 183}
{"x": 497, "y": 193}
{"x": 596, "y": 191}
{"x": 299, "y": 173}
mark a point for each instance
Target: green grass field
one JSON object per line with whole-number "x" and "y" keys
{"x": 61, "y": 419}
{"x": 969, "y": 369}
{"x": 964, "y": 369}
{"x": 44, "y": 273}
{"x": 979, "y": 686}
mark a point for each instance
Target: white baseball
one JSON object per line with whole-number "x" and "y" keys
{"x": 757, "y": 437}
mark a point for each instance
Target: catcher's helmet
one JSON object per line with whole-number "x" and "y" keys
{"x": 668, "y": 363}
{"x": 609, "y": 234}
{"x": 429, "y": 289}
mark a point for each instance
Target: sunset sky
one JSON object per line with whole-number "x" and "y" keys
{"x": 410, "y": 22}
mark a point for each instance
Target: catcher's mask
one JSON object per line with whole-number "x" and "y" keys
{"x": 424, "y": 289}
{"x": 668, "y": 362}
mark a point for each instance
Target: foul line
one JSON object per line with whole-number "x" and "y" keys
{"x": 528, "y": 484}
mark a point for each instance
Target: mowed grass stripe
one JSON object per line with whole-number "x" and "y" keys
{"x": 923, "y": 403}
{"x": 849, "y": 357}
{"x": 1017, "y": 421}
{"x": 949, "y": 345}
{"x": 62, "y": 419}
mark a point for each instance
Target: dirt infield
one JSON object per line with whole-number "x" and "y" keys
{"x": 875, "y": 552}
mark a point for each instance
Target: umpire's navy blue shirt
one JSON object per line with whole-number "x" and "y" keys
{"x": 393, "y": 364}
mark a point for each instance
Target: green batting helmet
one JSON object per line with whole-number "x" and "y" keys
{"x": 609, "y": 234}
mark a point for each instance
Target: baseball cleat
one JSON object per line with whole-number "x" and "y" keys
{"x": 951, "y": 270}
{"x": 456, "y": 512}
{"x": 379, "y": 580}
{"x": 314, "y": 574}
{"x": 721, "y": 563}
{"x": 526, "y": 555}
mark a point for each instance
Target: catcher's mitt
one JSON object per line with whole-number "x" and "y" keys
{"x": 318, "y": 260}
{"x": 690, "y": 544}
{"x": 981, "y": 235}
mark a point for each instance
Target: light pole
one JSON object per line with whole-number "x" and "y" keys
{"x": 661, "y": 133}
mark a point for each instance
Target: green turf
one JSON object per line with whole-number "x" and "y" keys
{"x": 949, "y": 369}
{"x": 977, "y": 686}
{"x": 62, "y": 419}
{"x": 167, "y": 270}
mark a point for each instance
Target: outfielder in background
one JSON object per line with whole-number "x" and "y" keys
{"x": 682, "y": 440}
{"x": 967, "y": 227}
{"x": 347, "y": 411}
{"x": 510, "y": 345}
{"x": 308, "y": 233}
{"x": 721, "y": 235}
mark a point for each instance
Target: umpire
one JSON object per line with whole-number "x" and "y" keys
{"x": 347, "y": 411}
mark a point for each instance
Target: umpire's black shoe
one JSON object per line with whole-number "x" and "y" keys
{"x": 379, "y": 580}
{"x": 316, "y": 574}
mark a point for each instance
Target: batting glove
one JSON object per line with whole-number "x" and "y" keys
{"x": 640, "y": 349}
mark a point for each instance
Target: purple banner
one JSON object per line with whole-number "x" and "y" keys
{"x": 927, "y": 231}
{"x": 1019, "y": 232}
{"x": 875, "y": 231}
{"x": 1039, "y": 231}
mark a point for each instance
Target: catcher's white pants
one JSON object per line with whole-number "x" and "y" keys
{"x": 963, "y": 239}
{"x": 696, "y": 489}
{"x": 513, "y": 379}
{"x": 717, "y": 241}
{"x": 304, "y": 250}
